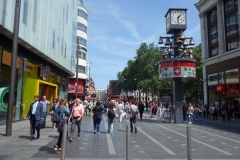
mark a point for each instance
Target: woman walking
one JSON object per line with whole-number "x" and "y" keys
{"x": 53, "y": 108}
{"x": 63, "y": 112}
{"x": 111, "y": 115}
{"x": 97, "y": 117}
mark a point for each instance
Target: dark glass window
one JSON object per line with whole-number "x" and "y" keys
{"x": 82, "y": 55}
{"x": 82, "y": 13}
{"x": 25, "y": 12}
{"x": 80, "y": 2}
{"x": 212, "y": 32}
{"x": 231, "y": 24}
{"x": 82, "y": 41}
{"x": 82, "y": 27}
{"x": 81, "y": 69}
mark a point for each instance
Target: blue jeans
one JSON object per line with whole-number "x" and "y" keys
{"x": 190, "y": 118}
{"x": 45, "y": 117}
{"x": 96, "y": 122}
{"x": 195, "y": 115}
{"x": 110, "y": 125}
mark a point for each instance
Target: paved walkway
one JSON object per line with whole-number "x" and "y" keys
{"x": 154, "y": 140}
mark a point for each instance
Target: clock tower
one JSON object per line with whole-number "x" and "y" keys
{"x": 176, "y": 19}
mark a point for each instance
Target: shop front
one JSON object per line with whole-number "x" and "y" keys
{"x": 34, "y": 76}
{"x": 72, "y": 88}
{"x": 223, "y": 89}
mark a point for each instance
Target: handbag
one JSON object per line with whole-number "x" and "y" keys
{"x": 41, "y": 124}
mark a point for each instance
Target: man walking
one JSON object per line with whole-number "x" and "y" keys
{"x": 77, "y": 114}
{"x": 141, "y": 109}
{"x": 120, "y": 108}
{"x": 45, "y": 103}
{"x": 35, "y": 114}
{"x": 133, "y": 113}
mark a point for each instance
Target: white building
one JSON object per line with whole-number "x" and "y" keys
{"x": 220, "y": 40}
{"x": 83, "y": 66}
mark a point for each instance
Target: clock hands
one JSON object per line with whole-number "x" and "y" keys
{"x": 178, "y": 18}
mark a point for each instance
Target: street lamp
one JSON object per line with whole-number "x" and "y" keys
{"x": 177, "y": 63}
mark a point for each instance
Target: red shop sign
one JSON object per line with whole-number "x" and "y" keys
{"x": 220, "y": 88}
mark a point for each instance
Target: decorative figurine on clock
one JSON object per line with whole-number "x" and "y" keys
{"x": 176, "y": 20}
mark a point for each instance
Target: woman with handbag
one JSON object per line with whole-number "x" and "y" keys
{"x": 97, "y": 117}
{"x": 63, "y": 112}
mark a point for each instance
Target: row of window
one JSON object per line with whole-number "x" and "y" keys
{"x": 82, "y": 27}
{"x": 83, "y": 14}
{"x": 231, "y": 27}
{"x": 82, "y": 41}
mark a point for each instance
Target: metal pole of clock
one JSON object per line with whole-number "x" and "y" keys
{"x": 177, "y": 87}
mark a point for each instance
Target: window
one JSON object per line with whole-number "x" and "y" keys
{"x": 231, "y": 24}
{"x": 212, "y": 32}
{"x": 82, "y": 55}
{"x": 53, "y": 39}
{"x": 82, "y": 41}
{"x": 82, "y": 13}
{"x": 81, "y": 69}
{"x": 25, "y": 12}
{"x": 82, "y": 27}
{"x": 35, "y": 16}
{"x": 80, "y": 2}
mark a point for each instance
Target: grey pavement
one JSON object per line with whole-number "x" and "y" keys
{"x": 154, "y": 140}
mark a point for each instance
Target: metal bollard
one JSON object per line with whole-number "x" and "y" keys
{"x": 189, "y": 143}
{"x": 128, "y": 143}
{"x": 64, "y": 140}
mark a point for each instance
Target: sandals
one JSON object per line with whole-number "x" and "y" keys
{"x": 56, "y": 148}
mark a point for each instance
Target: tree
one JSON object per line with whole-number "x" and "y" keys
{"x": 193, "y": 89}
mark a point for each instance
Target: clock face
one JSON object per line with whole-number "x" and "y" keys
{"x": 178, "y": 17}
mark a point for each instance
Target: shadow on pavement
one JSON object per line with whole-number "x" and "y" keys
{"x": 47, "y": 149}
{"x": 24, "y": 137}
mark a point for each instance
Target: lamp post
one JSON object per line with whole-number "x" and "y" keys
{"x": 13, "y": 68}
{"x": 178, "y": 64}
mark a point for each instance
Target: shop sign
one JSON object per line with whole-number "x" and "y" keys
{"x": 44, "y": 72}
{"x": 220, "y": 88}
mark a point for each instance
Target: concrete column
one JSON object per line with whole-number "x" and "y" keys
{"x": 204, "y": 35}
{"x": 205, "y": 79}
{"x": 221, "y": 27}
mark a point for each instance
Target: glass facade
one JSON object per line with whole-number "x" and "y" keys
{"x": 231, "y": 24}
{"x": 44, "y": 28}
{"x": 82, "y": 13}
{"x": 82, "y": 55}
{"x": 82, "y": 41}
{"x": 81, "y": 69}
{"x": 212, "y": 32}
{"x": 82, "y": 27}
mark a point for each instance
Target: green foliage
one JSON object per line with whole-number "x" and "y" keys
{"x": 142, "y": 73}
{"x": 193, "y": 89}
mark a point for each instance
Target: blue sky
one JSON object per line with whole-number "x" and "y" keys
{"x": 116, "y": 28}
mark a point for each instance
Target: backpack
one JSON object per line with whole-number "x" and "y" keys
{"x": 215, "y": 110}
{"x": 223, "y": 112}
{"x": 55, "y": 117}
{"x": 111, "y": 114}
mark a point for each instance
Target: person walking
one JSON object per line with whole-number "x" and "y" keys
{"x": 133, "y": 113}
{"x": 120, "y": 109}
{"x": 190, "y": 113}
{"x": 76, "y": 114}
{"x": 97, "y": 117}
{"x": 63, "y": 111}
{"x": 141, "y": 109}
{"x": 54, "y": 107}
{"x": 45, "y": 103}
{"x": 35, "y": 115}
{"x": 206, "y": 110}
{"x": 224, "y": 113}
{"x": 229, "y": 112}
{"x": 111, "y": 115}
{"x": 185, "y": 110}
{"x": 214, "y": 110}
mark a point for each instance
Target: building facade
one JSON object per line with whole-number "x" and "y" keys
{"x": 46, "y": 51}
{"x": 220, "y": 41}
{"x": 83, "y": 66}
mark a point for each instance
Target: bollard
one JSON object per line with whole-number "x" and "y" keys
{"x": 189, "y": 143}
{"x": 128, "y": 143}
{"x": 64, "y": 140}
